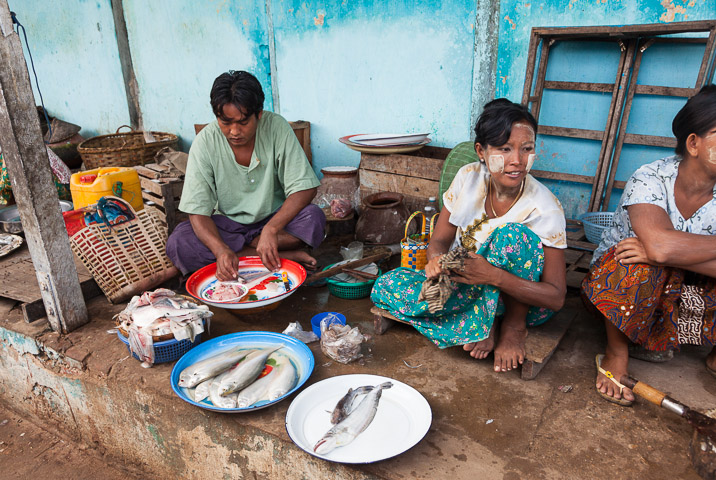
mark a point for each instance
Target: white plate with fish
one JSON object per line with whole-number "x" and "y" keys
{"x": 293, "y": 353}
{"x": 402, "y": 419}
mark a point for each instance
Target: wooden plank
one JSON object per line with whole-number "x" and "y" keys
{"x": 570, "y": 132}
{"x": 25, "y": 157}
{"x": 708, "y": 57}
{"x": 624, "y": 123}
{"x": 626, "y": 30}
{"x": 529, "y": 75}
{"x": 652, "y": 140}
{"x": 579, "y": 86}
{"x": 387, "y": 182}
{"x": 302, "y": 130}
{"x": 569, "y": 177}
{"x": 541, "y": 341}
{"x": 541, "y": 73}
{"x": 665, "y": 91}
{"x": 613, "y": 126}
{"x": 426, "y": 168}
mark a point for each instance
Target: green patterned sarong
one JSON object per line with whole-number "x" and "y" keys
{"x": 470, "y": 311}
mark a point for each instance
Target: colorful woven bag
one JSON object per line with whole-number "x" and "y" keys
{"x": 414, "y": 247}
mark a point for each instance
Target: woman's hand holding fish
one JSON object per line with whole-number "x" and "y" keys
{"x": 478, "y": 271}
{"x": 227, "y": 265}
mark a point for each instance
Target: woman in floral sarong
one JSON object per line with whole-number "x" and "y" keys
{"x": 653, "y": 277}
{"x": 514, "y": 228}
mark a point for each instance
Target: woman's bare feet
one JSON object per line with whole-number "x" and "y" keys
{"x": 510, "y": 349}
{"x": 301, "y": 257}
{"x": 480, "y": 350}
{"x": 616, "y": 364}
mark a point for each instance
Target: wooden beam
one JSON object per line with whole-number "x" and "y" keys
{"x": 580, "y": 86}
{"x": 623, "y": 31}
{"x": 27, "y": 163}
{"x": 571, "y": 132}
{"x": 567, "y": 177}
{"x": 651, "y": 140}
{"x": 665, "y": 91}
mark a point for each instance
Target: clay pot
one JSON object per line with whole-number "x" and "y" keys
{"x": 339, "y": 182}
{"x": 382, "y": 220}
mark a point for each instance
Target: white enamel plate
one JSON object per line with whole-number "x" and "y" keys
{"x": 402, "y": 420}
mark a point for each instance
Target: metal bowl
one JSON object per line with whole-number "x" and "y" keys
{"x": 10, "y": 217}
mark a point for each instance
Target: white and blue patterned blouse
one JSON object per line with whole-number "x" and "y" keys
{"x": 653, "y": 183}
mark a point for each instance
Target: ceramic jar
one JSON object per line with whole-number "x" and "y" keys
{"x": 338, "y": 182}
{"x": 382, "y": 219}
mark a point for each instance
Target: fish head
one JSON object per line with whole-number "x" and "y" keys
{"x": 224, "y": 390}
{"x": 325, "y": 444}
{"x": 187, "y": 381}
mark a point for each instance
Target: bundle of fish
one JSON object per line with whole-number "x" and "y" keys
{"x": 239, "y": 377}
{"x": 157, "y": 314}
{"x": 350, "y": 421}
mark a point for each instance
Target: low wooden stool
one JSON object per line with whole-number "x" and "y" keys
{"x": 541, "y": 341}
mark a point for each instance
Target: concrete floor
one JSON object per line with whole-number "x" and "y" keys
{"x": 485, "y": 425}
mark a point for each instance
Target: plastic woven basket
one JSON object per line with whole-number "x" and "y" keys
{"x": 350, "y": 290}
{"x": 595, "y": 223}
{"x": 167, "y": 351}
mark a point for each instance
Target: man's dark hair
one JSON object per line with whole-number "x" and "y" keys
{"x": 240, "y": 89}
{"x": 494, "y": 126}
{"x": 697, "y": 116}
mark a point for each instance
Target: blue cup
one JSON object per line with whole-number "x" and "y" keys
{"x": 334, "y": 318}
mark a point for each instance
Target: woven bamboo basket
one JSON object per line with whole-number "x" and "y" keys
{"x": 126, "y": 149}
{"x": 126, "y": 259}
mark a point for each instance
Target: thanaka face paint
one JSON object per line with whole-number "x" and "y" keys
{"x": 530, "y": 161}
{"x": 496, "y": 163}
{"x": 524, "y": 125}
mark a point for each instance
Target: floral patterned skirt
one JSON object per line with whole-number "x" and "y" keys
{"x": 470, "y": 311}
{"x": 658, "y": 308}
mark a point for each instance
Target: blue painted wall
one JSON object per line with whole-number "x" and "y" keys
{"x": 347, "y": 67}
{"x": 74, "y": 49}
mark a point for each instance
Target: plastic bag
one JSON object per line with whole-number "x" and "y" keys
{"x": 354, "y": 251}
{"x": 295, "y": 330}
{"x": 341, "y": 342}
{"x": 341, "y": 207}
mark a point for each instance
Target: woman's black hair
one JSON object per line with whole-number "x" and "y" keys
{"x": 697, "y": 116}
{"x": 494, "y": 126}
{"x": 240, "y": 89}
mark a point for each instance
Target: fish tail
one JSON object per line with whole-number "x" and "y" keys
{"x": 386, "y": 385}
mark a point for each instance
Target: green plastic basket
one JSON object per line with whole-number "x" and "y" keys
{"x": 348, "y": 290}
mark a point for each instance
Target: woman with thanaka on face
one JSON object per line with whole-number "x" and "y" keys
{"x": 653, "y": 277}
{"x": 514, "y": 228}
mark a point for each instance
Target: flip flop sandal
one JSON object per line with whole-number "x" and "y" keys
{"x": 619, "y": 401}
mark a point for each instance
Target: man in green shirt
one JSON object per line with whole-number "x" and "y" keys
{"x": 248, "y": 187}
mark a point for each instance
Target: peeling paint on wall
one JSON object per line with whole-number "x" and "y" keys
{"x": 671, "y": 11}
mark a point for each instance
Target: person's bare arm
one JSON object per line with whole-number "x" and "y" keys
{"x": 549, "y": 292}
{"x": 267, "y": 246}
{"x": 227, "y": 261}
{"x": 440, "y": 241}
{"x": 664, "y": 245}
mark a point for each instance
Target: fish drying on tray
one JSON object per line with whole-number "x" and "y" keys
{"x": 240, "y": 377}
{"x": 157, "y": 314}
{"x": 354, "y": 424}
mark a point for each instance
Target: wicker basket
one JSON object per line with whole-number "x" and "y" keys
{"x": 350, "y": 290}
{"x": 126, "y": 259}
{"x": 595, "y": 223}
{"x": 123, "y": 149}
